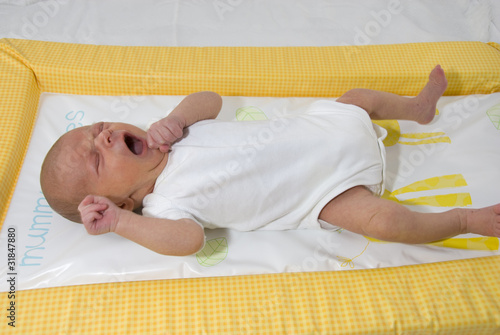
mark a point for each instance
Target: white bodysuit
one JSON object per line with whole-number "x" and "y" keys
{"x": 274, "y": 174}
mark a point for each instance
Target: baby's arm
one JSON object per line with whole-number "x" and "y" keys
{"x": 193, "y": 108}
{"x": 167, "y": 237}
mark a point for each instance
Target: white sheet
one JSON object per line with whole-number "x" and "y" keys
{"x": 54, "y": 252}
{"x": 250, "y": 23}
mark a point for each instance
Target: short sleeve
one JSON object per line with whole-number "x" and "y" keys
{"x": 158, "y": 207}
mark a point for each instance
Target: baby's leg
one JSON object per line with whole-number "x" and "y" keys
{"x": 359, "y": 211}
{"x": 383, "y": 105}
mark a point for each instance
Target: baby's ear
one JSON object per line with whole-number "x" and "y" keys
{"x": 127, "y": 204}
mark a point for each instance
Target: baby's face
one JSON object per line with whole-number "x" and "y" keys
{"x": 114, "y": 159}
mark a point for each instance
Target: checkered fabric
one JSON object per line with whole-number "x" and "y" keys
{"x": 459, "y": 297}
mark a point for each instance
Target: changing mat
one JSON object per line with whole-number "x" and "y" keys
{"x": 458, "y": 295}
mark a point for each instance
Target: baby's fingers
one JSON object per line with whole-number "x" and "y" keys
{"x": 92, "y": 200}
{"x": 154, "y": 139}
{"x": 89, "y": 199}
{"x": 165, "y": 132}
{"x": 92, "y": 208}
{"x": 157, "y": 140}
{"x": 93, "y": 212}
{"x": 164, "y": 148}
{"x": 90, "y": 217}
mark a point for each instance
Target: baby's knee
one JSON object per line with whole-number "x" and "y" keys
{"x": 349, "y": 97}
{"x": 357, "y": 97}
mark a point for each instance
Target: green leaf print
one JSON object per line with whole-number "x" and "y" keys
{"x": 250, "y": 113}
{"x": 214, "y": 252}
{"x": 494, "y": 115}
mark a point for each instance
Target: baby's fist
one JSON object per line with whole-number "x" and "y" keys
{"x": 99, "y": 214}
{"x": 162, "y": 134}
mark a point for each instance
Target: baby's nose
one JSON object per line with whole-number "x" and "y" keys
{"x": 106, "y": 138}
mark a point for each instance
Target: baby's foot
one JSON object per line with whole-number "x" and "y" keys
{"x": 484, "y": 221}
{"x": 426, "y": 100}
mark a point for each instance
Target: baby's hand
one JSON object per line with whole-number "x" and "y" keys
{"x": 99, "y": 214}
{"x": 162, "y": 134}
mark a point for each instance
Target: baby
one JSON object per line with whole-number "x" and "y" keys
{"x": 320, "y": 169}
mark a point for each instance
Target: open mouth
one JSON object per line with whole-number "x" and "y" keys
{"x": 134, "y": 144}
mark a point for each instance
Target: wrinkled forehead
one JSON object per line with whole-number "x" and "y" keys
{"x": 74, "y": 151}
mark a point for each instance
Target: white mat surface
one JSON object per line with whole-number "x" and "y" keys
{"x": 55, "y": 252}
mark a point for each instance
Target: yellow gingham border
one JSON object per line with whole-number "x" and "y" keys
{"x": 458, "y": 297}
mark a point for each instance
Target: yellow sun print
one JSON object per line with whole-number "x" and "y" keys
{"x": 394, "y": 135}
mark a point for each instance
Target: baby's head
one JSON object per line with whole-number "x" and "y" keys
{"x": 106, "y": 159}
